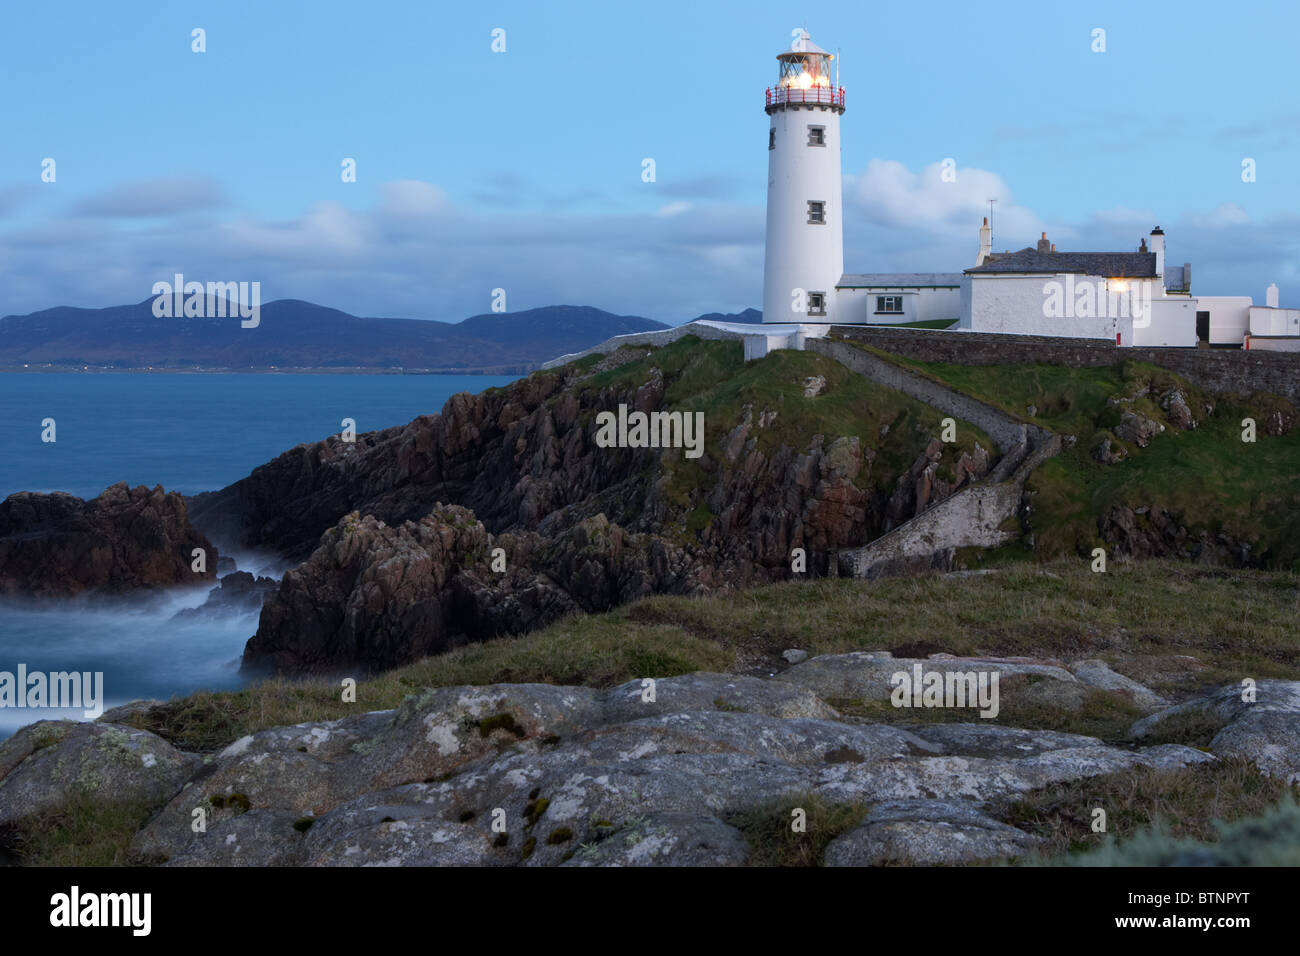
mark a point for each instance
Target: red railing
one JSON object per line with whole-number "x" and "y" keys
{"x": 820, "y": 95}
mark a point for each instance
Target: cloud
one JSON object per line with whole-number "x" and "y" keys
{"x": 887, "y": 192}
{"x": 419, "y": 252}
{"x": 150, "y": 198}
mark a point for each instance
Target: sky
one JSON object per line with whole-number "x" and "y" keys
{"x": 521, "y": 168}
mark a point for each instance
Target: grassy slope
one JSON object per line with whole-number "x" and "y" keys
{"x": 1208, "y": 476}
{"x": 713, "y": 377}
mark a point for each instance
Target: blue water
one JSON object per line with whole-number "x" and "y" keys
{"x": 189, "y": 433}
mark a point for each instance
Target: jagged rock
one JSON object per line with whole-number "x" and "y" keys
{"x": 45, "y": 763}
{"x": 375, "y": 596}
{"x": 1265, "y": 730}
{"x": 238, "y": 591}
{"x": 927, "y": 833}
{"x": 1175, "y": 406}
{"x": 1098, "y": 674}
{"x": 1137, "y": 429}
{"x": 1143, "y": 536}
{"x": 1278, "y": 423}
{"x": 814, "y": 386}
{"x": 126, "y": 539}
{"x": 794, "y": 656}
{"x": 1105, "y": 454}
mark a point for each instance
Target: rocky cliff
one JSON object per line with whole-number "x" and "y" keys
{"x": 126, "y": 539}
{"x": 397, "y": 531}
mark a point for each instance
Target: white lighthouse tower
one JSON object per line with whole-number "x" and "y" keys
{"x": 805, "y": 234}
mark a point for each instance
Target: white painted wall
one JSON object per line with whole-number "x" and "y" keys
{"x": 1015, "y": 304}
{"x": 1266, "y": 321}
{"x": 799, "y": 255}
{"x": 1229, "y": 317}
{"x": 1289, "y": 344}
{"x": 858, "y": 306}
{"x": 1173, "y": 323}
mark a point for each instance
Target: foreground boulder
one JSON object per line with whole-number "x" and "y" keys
{"x": 535, "y": 774}
{"x": 46, "y": 763}
{"x": 1261, "y": 724}
{"x": 58, "y": 545}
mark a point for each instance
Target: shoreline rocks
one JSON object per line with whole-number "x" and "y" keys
{"x": 126, "y": 539}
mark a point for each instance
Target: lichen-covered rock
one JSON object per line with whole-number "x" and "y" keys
{"x": 255, "y": 838}
{"x": 1098, "y": 674}
{"x": 666, "y": 839}
{"x": 868, "y": 675}
{"x": 45, "y": 763}
{"x": 706, "y": 691}
{"x": 1261, "y": 724}
{"x": 927, "y": 833}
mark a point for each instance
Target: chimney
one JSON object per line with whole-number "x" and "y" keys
{"x": 1143, "y": 246}
{"x": 1270, "y": 297}
{"x": 1053, "y": 247}
{"x": 1158, "y": 247}
{"x": 986, "y": 242}
{"x": 1044, "y": 245}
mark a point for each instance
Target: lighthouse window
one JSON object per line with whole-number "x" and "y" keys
{"x": 771, "y": 138}
{"x": 816, "y": 212}
{"x": 816, "y": 135}
{"x": 889, "y": 304}
{"x": 816, "y": 303}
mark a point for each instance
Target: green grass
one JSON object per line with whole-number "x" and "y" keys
{"x": 1208, "y": 477}
{"x": 712, "y": 377}
{"x": 1190, "y": 804}
{"x": 86, "y": 831}
{"x": 772, "y": 840}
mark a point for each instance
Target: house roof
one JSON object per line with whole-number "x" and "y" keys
{"x": 1176, "y": 279}
{"x": 898, "y": 280}
{"x": 1129, "y": 265}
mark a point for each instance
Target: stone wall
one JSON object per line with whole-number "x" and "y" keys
{"x": 997, "y": 424}
{"x": 1232, "y": 371}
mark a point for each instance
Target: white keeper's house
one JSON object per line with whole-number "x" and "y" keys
{"x": 1132, "y": 297}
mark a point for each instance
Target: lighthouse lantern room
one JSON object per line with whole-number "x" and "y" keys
{"x": 804, "y": 256}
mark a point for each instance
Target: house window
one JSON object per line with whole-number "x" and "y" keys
{"x": 816, "y": 212}
{"x": 816, "y": 135}
{"x": 889, "y": 305}
{"x": 816, "y": 303}
{"x": 771, "y": 138}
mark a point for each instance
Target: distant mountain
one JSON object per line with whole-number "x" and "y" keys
{"x": 751, "y": 316}
{"x": 296, "y": 334}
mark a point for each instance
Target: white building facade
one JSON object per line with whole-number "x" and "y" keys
{"x": 1130, "y": 298}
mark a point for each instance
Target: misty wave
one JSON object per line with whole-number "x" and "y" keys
{"x": 145, "y": 647}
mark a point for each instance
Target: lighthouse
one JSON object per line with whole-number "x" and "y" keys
{"x": 804, "y": 257}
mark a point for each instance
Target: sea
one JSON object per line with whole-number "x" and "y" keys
{"x": 189, "y": 432}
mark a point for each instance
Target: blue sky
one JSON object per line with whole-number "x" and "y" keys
{"x": 522, "y": 170}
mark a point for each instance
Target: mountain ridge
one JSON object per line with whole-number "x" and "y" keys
{"x": 296, "y": 334}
